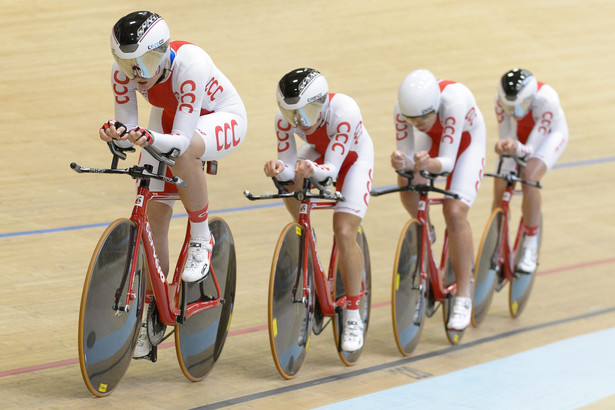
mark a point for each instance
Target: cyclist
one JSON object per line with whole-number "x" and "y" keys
{"x": 532, "y": 126}
{"x": 440, "y": 129}
{"x": 195, "y": 109}
{"x": 337, "y": 145}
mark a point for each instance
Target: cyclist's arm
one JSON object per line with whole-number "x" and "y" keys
{"x": 546, "y": 111}
{"x": 287, "y": 147}
{"x": 191, "y": 71}
{"x": 404, "y": 137}
{"x": 452, "y": 116}
{"x": 346, "y": 126}
{"x": 125, "y": 97}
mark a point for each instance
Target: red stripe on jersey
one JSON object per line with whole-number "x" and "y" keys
{"x": 444, "y": 83}
{"x": 162, "y": 96}
{"x": 348, "y": 162}
{"x": 435, "y": 133}
{"x": 526, "y": 124}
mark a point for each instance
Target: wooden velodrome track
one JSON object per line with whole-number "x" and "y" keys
{"x": 55, "y": 94}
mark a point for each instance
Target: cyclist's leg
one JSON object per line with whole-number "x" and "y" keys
{"x": 350, "y": 257}
{"x": 159, "y": 215}
{"x": 464, "y": 181}
{"x": 355, "y": 185}
{"x": 460, "y": 243}
{"x": 217, "y": 135}
{"x": 532, "y": 200}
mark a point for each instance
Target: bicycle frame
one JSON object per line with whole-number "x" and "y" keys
{"x": 506, "y": 253}
{"x": 434, "y": 271}
{"x": 165, "y": 293}
{"x": 322, "y": 283}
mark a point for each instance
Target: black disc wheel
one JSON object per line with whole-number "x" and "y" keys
{"x": 408, "y": 293}
{"x": 486, "y": 266}
{"x": 108, "y": 329}
{"x": 289, "y": 314}
{"x": 200, "y": 338}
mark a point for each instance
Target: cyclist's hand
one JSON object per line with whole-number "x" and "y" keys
{"x": 399, "y": 160}
{"x": 304, "y": 168}
{"x": 421, "y": 160}
{"x": 140, "y": 136}
{"x": 506, "y": 146}
{"x": 273, "y": 168}
{"x": 112, "y": 130}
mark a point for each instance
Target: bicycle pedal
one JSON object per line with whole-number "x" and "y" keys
{"x": 518, "y": 273}
{"x": 318, "y": 319}
{"x": 155, "y": 328}
{"x": 430, "y": 305}
{"x": 152, "y": 356}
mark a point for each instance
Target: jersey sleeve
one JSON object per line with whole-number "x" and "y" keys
{"x": 404, "y": 135}
{"x": 505, "y": 127}
{"x": 452, "y": 117}
{"x": 287, "y": 147}
{"x": 545, "y": 109}
{"x": 125, "y": 105}
{"x": 344, "y": 126}
{"x": 191, "y": 69}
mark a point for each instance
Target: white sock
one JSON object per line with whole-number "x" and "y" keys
{"x": 353, "y": 314}
{"x": 200, "y": 230}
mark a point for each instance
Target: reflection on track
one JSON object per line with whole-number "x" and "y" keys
{"x": 400, "y": 362}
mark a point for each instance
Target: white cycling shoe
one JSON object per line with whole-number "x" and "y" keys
{"x": 199, "y": 259}
{"x": 352, "y": 335}
{"x": 144, "y": 346}
{"x": 461, "y": 315}
{"x": 529, "y": 257}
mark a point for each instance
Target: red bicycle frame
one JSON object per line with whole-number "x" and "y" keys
{"x": 436, "y": 273}
{"x": 165, "y": 293}
{"x": 322, "y": 284}
{"x": 505, "y": 253}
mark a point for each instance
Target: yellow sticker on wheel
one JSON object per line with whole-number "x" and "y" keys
{"x": 514, "y": 307}
{"x": 360, "y": 229}
{"x": 298, "y": 230}
{"x": 397, "y": 276}
{"x": 275, "y": 327}
{"x": 102, "y": 388}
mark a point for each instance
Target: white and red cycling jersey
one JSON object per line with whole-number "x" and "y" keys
{"x": 542, "y": 133}
{"x": 196, "y": 99}
{"x": 457, "y": 139}
{"x": 340, "y": 148}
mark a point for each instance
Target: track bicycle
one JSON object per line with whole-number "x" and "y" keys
{"x": 303, "y": 299}
{"x": 115, "y": 289}
{"x": 420, "y": 285}
{"x": 496, "y": 259}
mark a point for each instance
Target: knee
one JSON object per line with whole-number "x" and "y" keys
{"x": 455, "y": 215}
{"x": 345, "y": 235}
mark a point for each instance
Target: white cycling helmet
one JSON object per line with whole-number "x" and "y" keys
{"x": 140, "y": 44}
{"x": 419, "y": 94}
{"x": 301, "y": 95}
{"x": 516, "y": 91}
